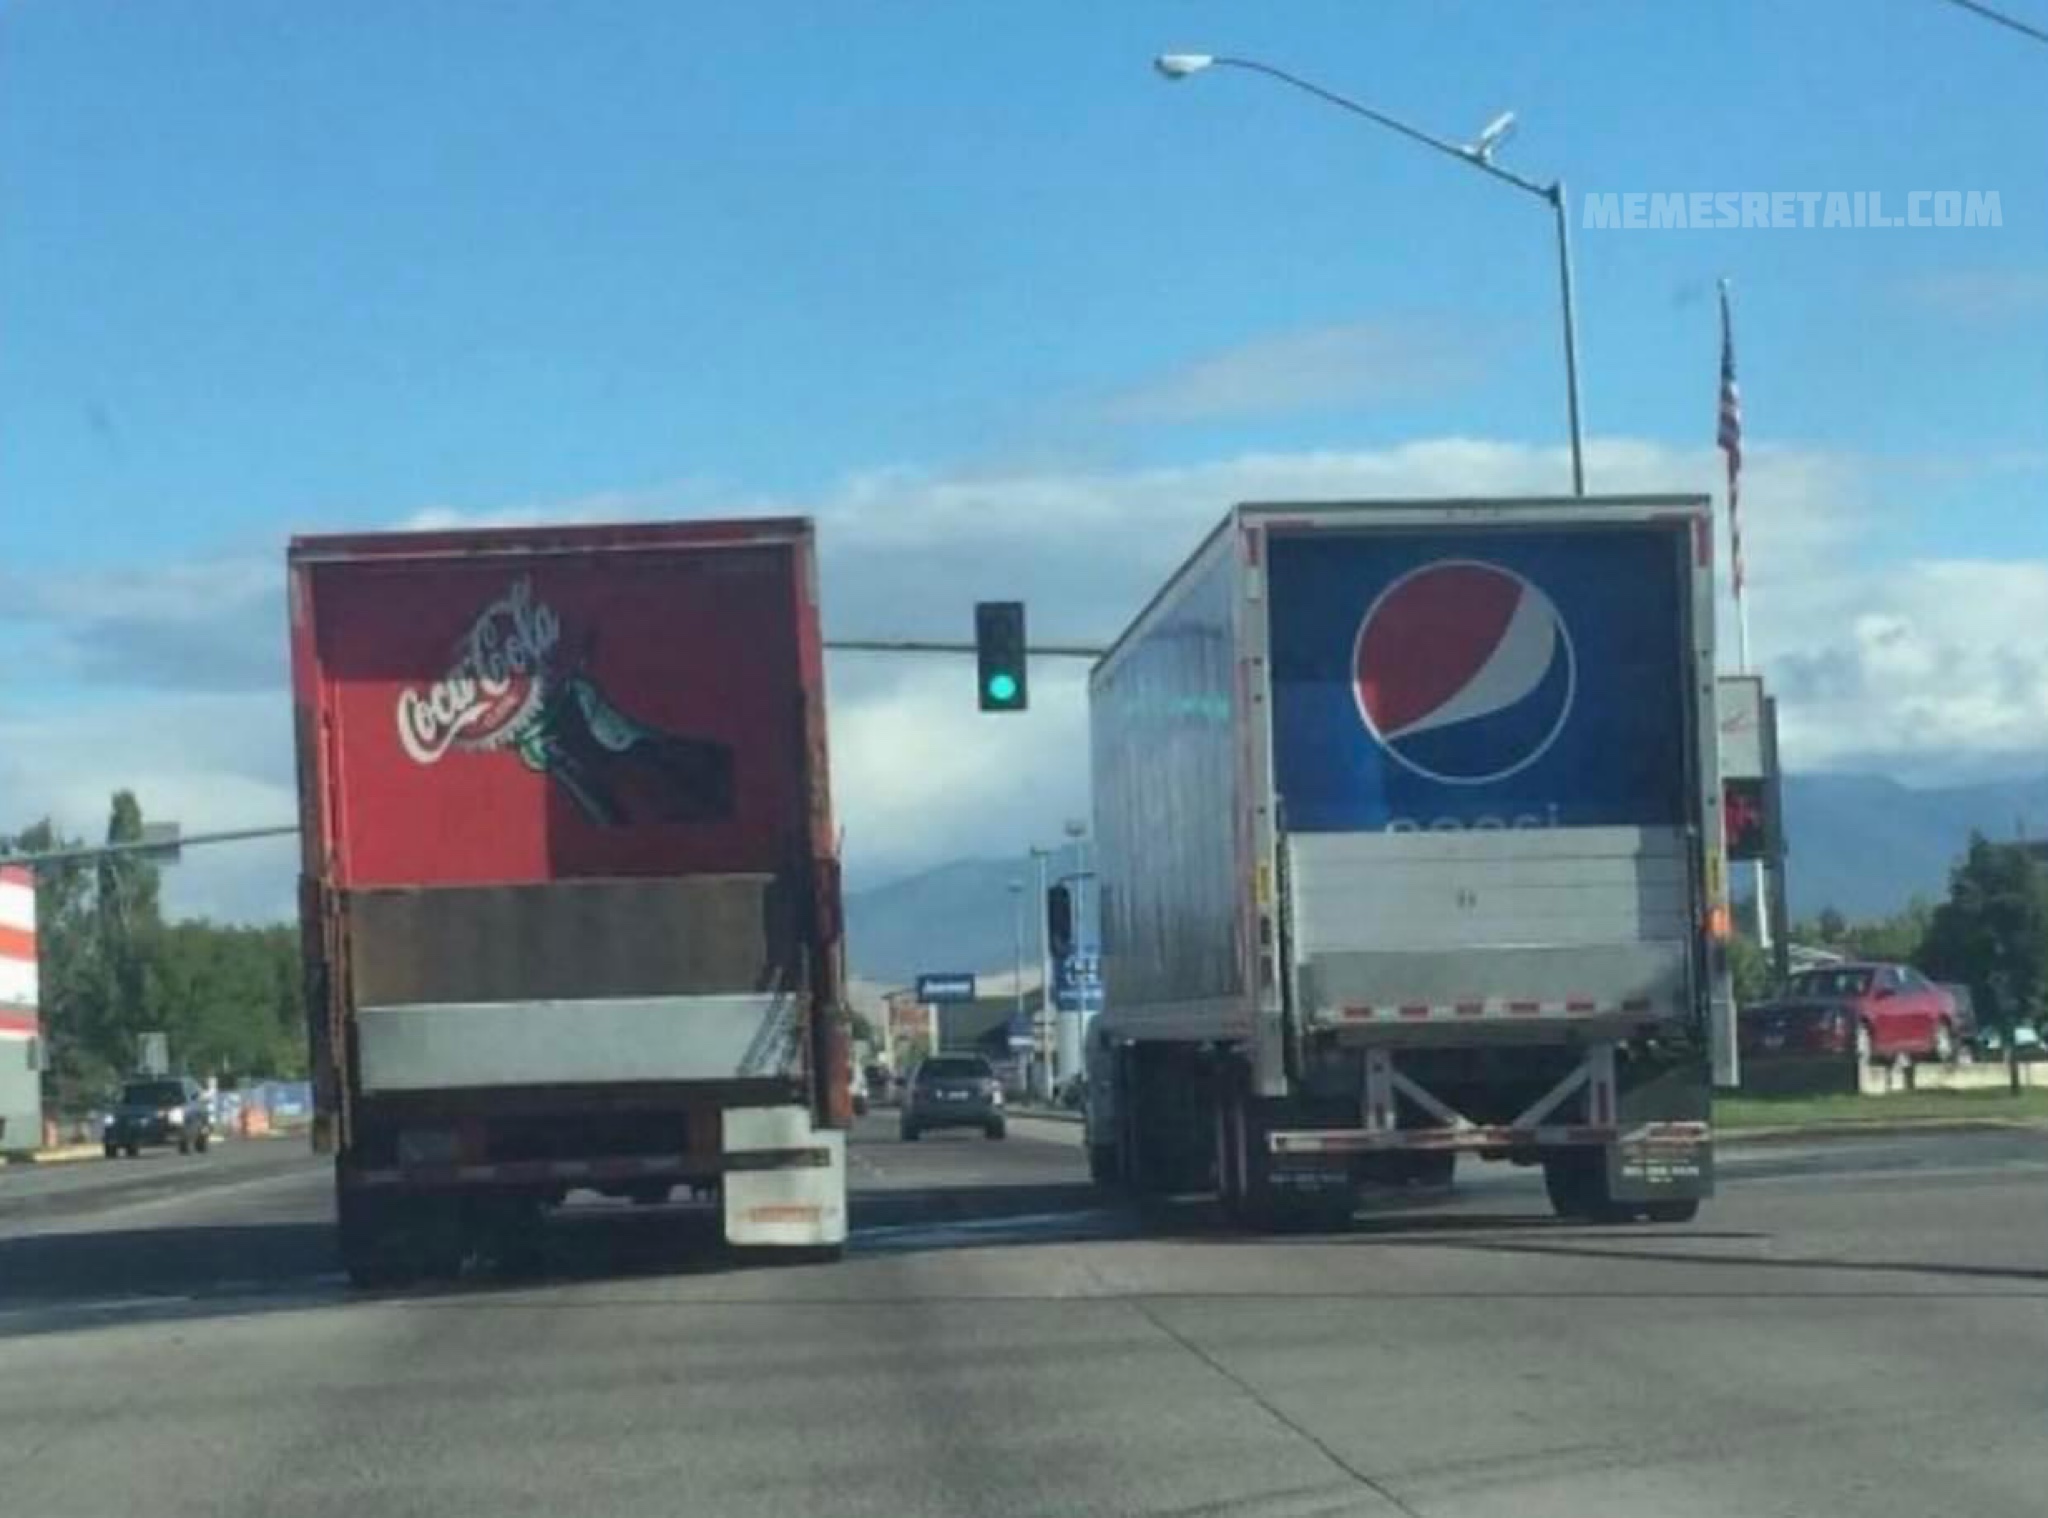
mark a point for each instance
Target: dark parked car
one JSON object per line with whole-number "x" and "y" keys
{"x": 168, "y": 1109}
{"x": 1875, "y": 1010}
{"x": 953, "y": 1091}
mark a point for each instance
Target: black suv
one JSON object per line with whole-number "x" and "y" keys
{"x": 159, "y": 1109}
{"x": 953, "y": 1091}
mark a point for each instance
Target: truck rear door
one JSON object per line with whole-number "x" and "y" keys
{"x": 1485, "y": 766}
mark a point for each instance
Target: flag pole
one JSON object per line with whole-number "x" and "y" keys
{"x": 1729, "y": 437}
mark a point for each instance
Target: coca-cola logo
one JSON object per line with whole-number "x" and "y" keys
{"x": 494, "y": 687}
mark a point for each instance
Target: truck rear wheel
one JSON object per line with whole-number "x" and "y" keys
{"x": 1102, "y": 1164}
{"x": 1576, "y": 1181}
{"x": 1672, "y": 1212}
{"x": 375, "y": 1249}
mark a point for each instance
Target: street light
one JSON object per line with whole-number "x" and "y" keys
{"x": 1479, "y": 155}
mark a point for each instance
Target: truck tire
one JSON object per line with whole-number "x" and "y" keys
{"x": 1576, "y": 1181}
{"x": 375, "y": 1250}
{"x": 1102, "y": 1165}
{"x": 113, "y": 1151}
{"x": 997, "y": 1129}
{"x": 1433, "y": 1167}
{"x": 1672, "y": 1212}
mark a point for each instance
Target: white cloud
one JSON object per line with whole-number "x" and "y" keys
{"x": 207, "y": 761}
{"x": 1321, "y": 368}
{"x": 1924, "y": 669}
{"x": 669, "y": 498}
{"x": 1982, "y": 295}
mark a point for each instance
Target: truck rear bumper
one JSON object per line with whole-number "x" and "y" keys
{"x": 1649, "y": 1157}
{"x": 595, "y": 1172}
{"x": 1473, "y": 1137}
{"x": 783, "y": 1180}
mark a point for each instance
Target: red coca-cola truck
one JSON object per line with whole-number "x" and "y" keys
{"x": 570, "y": 899}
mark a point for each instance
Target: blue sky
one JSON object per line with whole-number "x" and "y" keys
{"x": 267, "y": 268}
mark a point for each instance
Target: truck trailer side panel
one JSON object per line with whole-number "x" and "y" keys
{"x": 1168, "y": 747}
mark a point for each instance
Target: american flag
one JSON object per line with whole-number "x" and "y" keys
{"x": 1730, "y": 440}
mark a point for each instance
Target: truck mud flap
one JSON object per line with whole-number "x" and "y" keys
{"x": 1661, "y": 1162}
{"x": 785, "y": 1182}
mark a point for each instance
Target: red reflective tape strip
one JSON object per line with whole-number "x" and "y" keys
{"x": 1636, "y": 1004}
{"x": 1525, "y": 1008}
{"x": 1357, "y": 1014}
{"x": 17, "y": 943}
{"x": 1469, "y": 1009}
{"x": 1581, "y": 1004}
{"x": 1251, "y": 546}
{"x": 19, "y": 1022}
{"x": 1415, "y": 1009}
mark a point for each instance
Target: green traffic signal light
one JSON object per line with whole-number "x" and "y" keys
{"x": 1001, "y": 653}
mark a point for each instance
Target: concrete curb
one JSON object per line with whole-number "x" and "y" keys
{"x": 63, "y": 1155}
{"x": 1876, "y": 1127}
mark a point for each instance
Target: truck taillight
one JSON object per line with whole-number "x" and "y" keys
{"x": 1718, "y": 923}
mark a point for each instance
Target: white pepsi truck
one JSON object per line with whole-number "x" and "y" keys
{"x": 1410, "y": 847}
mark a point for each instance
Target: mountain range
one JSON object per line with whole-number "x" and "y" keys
{"x": 1862, "y": 844}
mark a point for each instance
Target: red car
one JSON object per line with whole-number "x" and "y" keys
{"x": 1877, "y": 1010}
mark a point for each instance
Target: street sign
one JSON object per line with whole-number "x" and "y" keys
{"x": 160, "y": 840}
{"x": 1077, "y": 983}
{"x": 153, "y": 1053}
{"x": 1020, "y": 1031}
{"x": 941, "y": 988}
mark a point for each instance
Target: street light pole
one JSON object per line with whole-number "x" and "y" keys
{"x": 1560, "y": 206}
{"x": 1478, "y": 155}
{"x": 1040, "y": 1030}
{"x": 1017, "y": 963}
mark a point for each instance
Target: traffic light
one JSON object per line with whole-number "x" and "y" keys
{"x": 1745, "y": 819}
{"x": 999, "y": 656}
{"x": 1059, "y": 922}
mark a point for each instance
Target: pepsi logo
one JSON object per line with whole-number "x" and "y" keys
{"x": 1464, "y": 672}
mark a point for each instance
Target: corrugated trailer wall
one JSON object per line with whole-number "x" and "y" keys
{"x": 1166, "y": 753}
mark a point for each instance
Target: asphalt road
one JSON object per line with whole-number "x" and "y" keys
{"x": 83, "y": 1185}
{"x": 1852, "y": 1328}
